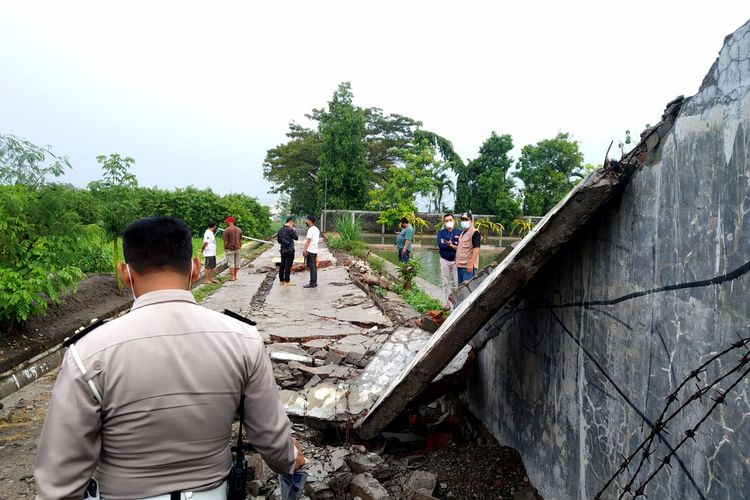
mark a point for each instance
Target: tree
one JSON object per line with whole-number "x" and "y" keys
{"x": 23, "y": 163}
{"x": 548, "y": 170}
{"x": 293, "y": 168}
{"x": 116, "y": 191}
{"x": 440, "y": 184}
{"x": 484, "y": 185}
{"x": 344, "y": 176}
{"x": 396, "y": 197}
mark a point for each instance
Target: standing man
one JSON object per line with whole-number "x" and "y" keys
{"x": 209, "y": 252}
{"x": 447, "y": 240}
{"x": 145, "y": 402}
{"x": 310, "y": 252}
{"x": 404, "y": 240}
{"x": 467, "y": 252}
{"x": 286, "y": 238}
{"x": 232, "y": 247}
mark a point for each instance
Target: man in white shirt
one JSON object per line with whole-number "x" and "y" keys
{"x": 310, "y": 252}
{"x": 209, "y": 252}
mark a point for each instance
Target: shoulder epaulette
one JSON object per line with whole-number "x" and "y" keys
{"x": 239, "y": 317}
{"x": 78, "y": 336}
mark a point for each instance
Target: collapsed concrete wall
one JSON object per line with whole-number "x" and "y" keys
{"x": 575, "y": 374}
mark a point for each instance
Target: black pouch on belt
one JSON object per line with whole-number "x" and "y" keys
{"x": 238, "y": 476}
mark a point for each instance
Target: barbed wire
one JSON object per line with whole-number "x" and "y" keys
{"x": 646, "y": 448}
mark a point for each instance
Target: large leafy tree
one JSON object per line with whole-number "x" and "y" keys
{"x": 293, "y": 169}
{"x": 343, "y": 155}
{"x": 549, "y": 169}
{"x": 484, "y": 185}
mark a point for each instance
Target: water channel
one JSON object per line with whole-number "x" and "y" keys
{"x": 383, "y": 246}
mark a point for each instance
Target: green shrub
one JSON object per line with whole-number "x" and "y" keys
{"x": 408, "y": 271}
{"x": 420, "y": 301}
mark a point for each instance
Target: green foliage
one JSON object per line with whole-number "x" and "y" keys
{"x": 25, "y": 164}
{"x": 293, "y": 169}
{"x": 349, "y": 237}
{"x": 249, "y": 215}
{"x": 408, "y": 271}
{"x": 421, "y": 301}
{"x": 396, "y": 197}
{"x": 484, "y": 186}
{"x": 201, "y": 292}
{"x": 343, "y": 154}
{"x": 349, "y": 228}
{"x": 548, "y": 171}
{"x": 486, "y": 227}
{"x": 521, "y": 227}
{"x": 376, "y": 263}
{"x": 36, "y": 258}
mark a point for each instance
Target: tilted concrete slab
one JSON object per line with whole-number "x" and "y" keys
{"x": 356, "y": 390}
{"x": 512, "y": 274}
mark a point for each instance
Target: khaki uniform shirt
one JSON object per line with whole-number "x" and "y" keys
{"x": 170, "y": 374}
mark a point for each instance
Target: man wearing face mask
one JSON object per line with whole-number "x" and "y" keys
{"x": 447, "y": 240}
{"x": 467, "y": 252}
{"x": 144, "y": 404}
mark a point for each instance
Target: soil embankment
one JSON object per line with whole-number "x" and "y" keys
{"x": 96, "y": 297}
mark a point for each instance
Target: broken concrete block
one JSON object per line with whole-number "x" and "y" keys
{"x": 420, "y": 480}
{"x": 317, "y": 344}
{"x": 288, "y": 356}
{"x": 334, "y": 358}
{"x": 319, "y": 490}
{"x": 312, "y": 382}
{"x": 368, "y": 488}
{"x": 371, "y": 463}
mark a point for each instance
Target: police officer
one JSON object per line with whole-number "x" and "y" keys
{"x": 145, "y": 402}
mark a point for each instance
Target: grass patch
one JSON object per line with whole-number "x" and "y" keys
{"x": 201, "y": 292}
{"x": 418, "y": 299}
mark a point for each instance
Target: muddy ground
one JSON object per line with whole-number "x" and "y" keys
{"x": 97, "y": 296}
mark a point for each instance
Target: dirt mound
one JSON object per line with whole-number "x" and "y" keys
{"x": 97, "y": 296}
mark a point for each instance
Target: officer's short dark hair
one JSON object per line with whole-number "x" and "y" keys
{"x": 311, "y": 218}
{"x": 447, "y": 214}
{"x": 212, "y": 223}
{"x": 158, "y": 244}
{"x": 291, "y": 218}
{"x": 404, "y": 220}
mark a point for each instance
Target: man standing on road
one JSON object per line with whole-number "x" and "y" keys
{"x": 404, "y": 240}
{"x": 467, "y": 253}
{"x": 447, "y": 240}
{"x": 145, "y": 402}
{"x": 209, "y": 252}
{"x": 310, "y": 252}
{"x": 232, "y": 247}
{"x": 286, "y": 238}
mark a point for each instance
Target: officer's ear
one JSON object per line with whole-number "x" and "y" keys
{"x": 122, "y": 268}
{"x": 196, "y": 269}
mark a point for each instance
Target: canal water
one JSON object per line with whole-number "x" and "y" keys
{"x": 431, "y": 260}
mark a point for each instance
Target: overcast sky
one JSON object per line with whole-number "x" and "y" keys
{"x": 197, "y": 92}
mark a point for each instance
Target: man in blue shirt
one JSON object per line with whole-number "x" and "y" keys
{"x": 447, "y": 241}
{"x": 404, "y": 240}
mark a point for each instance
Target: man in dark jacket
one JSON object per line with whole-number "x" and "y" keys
{"x": 286, "y": 238}
{"x": 447, "y": 240}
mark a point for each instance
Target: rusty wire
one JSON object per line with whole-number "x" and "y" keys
{"x": 647, "y": 448}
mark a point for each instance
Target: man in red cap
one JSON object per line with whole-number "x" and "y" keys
{"x": 232, "y": 244}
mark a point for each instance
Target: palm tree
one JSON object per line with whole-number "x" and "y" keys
{"x": 441, "y": 184}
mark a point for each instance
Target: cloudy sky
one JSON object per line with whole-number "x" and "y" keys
{"x": 197, "y": 92}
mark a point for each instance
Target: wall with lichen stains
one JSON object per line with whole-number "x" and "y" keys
{"x": 576, "y": 373}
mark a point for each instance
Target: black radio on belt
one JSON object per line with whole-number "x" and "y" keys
{"x": 238, "y": 476}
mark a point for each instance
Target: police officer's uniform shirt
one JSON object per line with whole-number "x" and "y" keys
{"x": 170, "y": 374}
